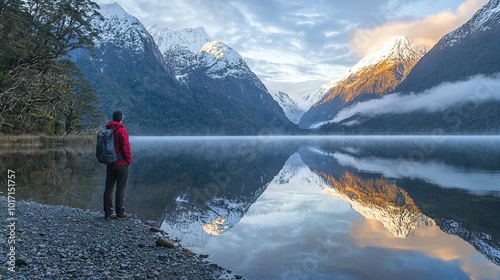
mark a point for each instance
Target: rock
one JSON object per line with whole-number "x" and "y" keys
{"x": 153, "y": 229}
{"x": 20, "y": 261}
{"x": 164, "y": 242}
{"x": 87, "y": 247}
{"x": 162, "y": 258}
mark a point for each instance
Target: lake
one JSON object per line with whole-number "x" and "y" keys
{"x": 358, "y": 207}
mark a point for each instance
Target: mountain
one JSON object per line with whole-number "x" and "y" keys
{"x": 179, "y": 47}
{"x": 194, "y": 91}
{"x": 405, "y": 205}
{"x": 129, "y": 73}
{"x": 374, "y": 76}
{"x": 373, "y": 197}
{"x": 224, "y": 181}
{"x": 295, "y": 108}
{"x": 216, "y": 71}
{"x": 453, "y": 89}
{"x": 315, "y": 96}
{"x": 291, "y": 108}
{"x": 470, "y": 50}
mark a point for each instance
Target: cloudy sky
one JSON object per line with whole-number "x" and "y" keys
{"x": 296, "y": 46}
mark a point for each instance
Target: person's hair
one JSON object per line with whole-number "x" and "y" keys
{"x": 118, "y": 116}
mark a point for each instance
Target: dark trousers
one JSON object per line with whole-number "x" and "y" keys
{"x": 119, "y": 175}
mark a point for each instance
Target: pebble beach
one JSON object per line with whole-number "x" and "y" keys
{"x": 60, "y": 242}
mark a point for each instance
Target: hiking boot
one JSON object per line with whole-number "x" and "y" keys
{"x": 109, "y": 217}
{"x": 124, "y": 217}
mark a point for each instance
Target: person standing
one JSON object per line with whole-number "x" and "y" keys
{"x": 117, "y": 173}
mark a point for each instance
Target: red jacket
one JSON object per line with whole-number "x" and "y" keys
{"x": 122, "y": 144}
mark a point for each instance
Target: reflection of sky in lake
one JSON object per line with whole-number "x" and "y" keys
{"x": 432, "y": 172}
{"x": 298, "y": 230}
{"x": 300, "y": 227}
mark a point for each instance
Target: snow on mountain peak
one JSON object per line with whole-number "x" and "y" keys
{"x": 191, "y": 39}
{"x": 398, "y": 48}
{"x": 222, "y": 60}
{"x": 221, "y": 51}
{"x": 292, "y": 109}
{"x": 113, "y": 9}
{"x": 489, "y": 13}
{"x": 120, "y": 28}
{"x": 311, "y": 98}
{"x": 189, "y": 47}
{"x": 482, "y": 20}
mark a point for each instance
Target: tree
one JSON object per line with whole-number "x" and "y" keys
{"x": 38, "y": 84}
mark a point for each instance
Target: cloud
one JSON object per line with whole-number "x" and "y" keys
{"x": 477, "y": 90}
{"x": 424, "y": 31}
{"x": 304, "y": 44}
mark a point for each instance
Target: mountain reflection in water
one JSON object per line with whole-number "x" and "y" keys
{"x": 381, "y": 193}
{"x": 303, "y": 208}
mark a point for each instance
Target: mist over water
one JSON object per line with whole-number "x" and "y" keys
{"x": 292, "y": 207}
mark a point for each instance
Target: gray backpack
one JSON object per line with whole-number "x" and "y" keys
{"x": 105, "y": 148}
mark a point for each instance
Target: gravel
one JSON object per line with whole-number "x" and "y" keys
{"x": 60, "y": 242}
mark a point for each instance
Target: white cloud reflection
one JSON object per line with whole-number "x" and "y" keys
{"x": 430, "y": 171}
{"x": 298, "y": 229}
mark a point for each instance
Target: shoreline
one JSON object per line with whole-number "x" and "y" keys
{"x": 60, "y": 242}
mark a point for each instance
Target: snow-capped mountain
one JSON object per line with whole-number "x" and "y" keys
{"x": 483, "y": 20}
{"x": 400, "y": 219}
{"x": 399, "y": 205}
{"x": 194, "y": 226}
{"x": 470, "y": 50}
{"x": 374, "y": 76}
{"x": 211, "y": 67}
{"x": 315, "y": 96}
{"x": 191, "y": 39}
{"x": 371, "y": 196}
{"x": 179, "y": 47}
{"x": 128, "y": 71}
{"x": 226, "y": 182}
{"x": 291, "y": 108}
{"x": 398, "y": 50}
{"x": 221, "y": 61}
{"x": 469, "y": 53}
{"x": 123, "y": 30}
{"x": 198, "y": 89}
{"x": 192, "y": 48}
{"x": 295, "y": 169}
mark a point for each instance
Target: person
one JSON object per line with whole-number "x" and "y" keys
{"x": 118, "y": 171}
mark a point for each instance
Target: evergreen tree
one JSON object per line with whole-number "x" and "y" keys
{"x": 41, "y": 91}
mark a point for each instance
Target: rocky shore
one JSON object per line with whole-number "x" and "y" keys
{"x": 59, "y": 242}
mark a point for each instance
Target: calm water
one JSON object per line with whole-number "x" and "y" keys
{"x": 301, "y": 208}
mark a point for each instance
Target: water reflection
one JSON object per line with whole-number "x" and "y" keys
{"x": 303, "y": 208}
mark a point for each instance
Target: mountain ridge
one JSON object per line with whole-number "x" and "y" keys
{"x": 466, "y": 50}
{"x": 189, "y": 96}
{"x": 372, "y": 77}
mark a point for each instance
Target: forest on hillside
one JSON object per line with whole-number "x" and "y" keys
{"x": 41, "y": 90}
